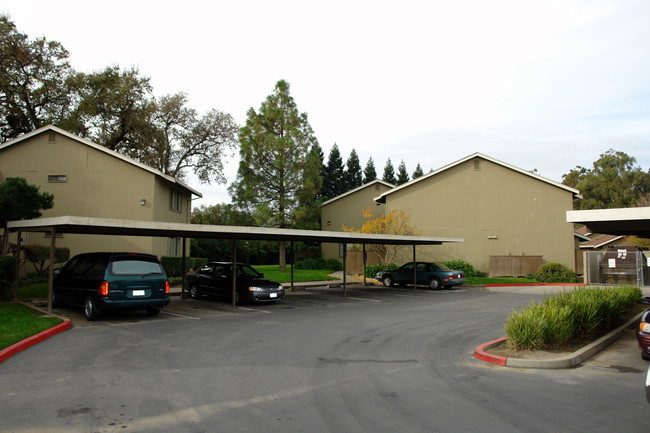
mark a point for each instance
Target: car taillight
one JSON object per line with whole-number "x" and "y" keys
{"x": 166, "y": 286}
{"x": 103, "y": 288}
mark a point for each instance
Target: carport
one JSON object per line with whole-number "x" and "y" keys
{"x": 619, "y": 221}
{"x": 116, "y": 227}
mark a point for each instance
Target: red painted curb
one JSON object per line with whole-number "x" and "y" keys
{"x": 534, "y": 284}
{"x": 481, "y": 354}
{"x": 10, "y": 351}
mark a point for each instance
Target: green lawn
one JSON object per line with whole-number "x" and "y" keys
{"x": 488, "y": 280}
{"x": 299, "y": 275}
{"x": 34, "y": 291}
{"x": 18, "y": 322}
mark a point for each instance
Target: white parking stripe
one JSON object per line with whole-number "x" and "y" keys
{"x": 180, "y": 315}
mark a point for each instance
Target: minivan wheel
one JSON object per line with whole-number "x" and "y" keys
{"x": 153, "y": 311}
{"x": 194, "y": 292}
{"x": 90, "y": 309}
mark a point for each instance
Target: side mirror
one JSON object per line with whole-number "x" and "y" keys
{"x": 57, "y": 271}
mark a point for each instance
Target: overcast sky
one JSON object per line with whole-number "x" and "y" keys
{"x": 543, "y": 85}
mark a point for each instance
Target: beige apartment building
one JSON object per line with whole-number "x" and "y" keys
{"x": 90, "y": 180}
{"x": 347, "y": 209}
{"x": 497, "y": 208}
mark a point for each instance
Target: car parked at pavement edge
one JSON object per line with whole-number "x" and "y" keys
{"x": 102, "y": 282}
{"x": 433, "y": 274}
{"x": 215, "y": 279}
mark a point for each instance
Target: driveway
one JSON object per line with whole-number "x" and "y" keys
{"x": 382, "y": 360}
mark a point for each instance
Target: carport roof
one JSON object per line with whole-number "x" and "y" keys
{"x": 108, "y": 226}
{"x": 622, "y": 221}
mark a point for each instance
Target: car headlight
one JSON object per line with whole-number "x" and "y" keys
{"x": 644, "y": 327}
{"x": 255, "y": 289}
{"x": 280, "y": 287}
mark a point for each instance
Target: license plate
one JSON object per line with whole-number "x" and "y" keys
{"x": 273, "y": 295}
{"x": 138, "y": 293}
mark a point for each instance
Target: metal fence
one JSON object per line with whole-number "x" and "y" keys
{"x": 617, "y": 266}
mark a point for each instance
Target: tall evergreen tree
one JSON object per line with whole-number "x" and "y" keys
{"x": 333, "y": 182}
{"x": 402, "y": 175}
{"x": 418, "y": 172}
{"x": 353, "y": 177}
{"x": 369, "y": 172}
{"x": 389, "y": 173}
{"x": 274, "y": 175}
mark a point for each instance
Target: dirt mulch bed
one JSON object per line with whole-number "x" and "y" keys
{"x": 502, "y": 349}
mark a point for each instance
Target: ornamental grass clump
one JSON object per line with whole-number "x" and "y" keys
{"x": 581, "y": 313}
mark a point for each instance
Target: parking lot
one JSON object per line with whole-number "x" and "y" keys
{"x": 381, "y": 359}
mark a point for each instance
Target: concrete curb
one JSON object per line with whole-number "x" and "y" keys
{"x": 567, "y": 361}
{"x": 10, "y": 351}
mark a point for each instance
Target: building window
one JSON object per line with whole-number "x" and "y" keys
{"x": 175, "y": 201}
{"x": 57, "y": 178}
{"x": 174, "y": 247}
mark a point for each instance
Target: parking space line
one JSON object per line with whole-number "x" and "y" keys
{"x": 180, "y": 315}
{"x": 253, "y": 310}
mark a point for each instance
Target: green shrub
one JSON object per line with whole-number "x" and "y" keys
{"x": 460, "y": 265}
{"x": 198, "y": 262}
{"x": 7, "y": 275}
{"x": 539, "y": 326}
{"x": 38, "y": 255}
{"x": 371, "y": 270}
{"x": 333, "y": 265}
{"x": 173, "y": 265}
{"x": 554, "y": 273}
{"x": 583, "y": 312}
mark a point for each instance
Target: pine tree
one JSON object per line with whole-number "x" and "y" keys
{"x": 369, "y": 173}
{"x": 389, "y": 173}
{"x": 402, "y": 175}
{"x": 418, "y": 172}
{"x": 333, "y": 181}
{"x": 275, "y": 172}
{"x": 353, "y": 177}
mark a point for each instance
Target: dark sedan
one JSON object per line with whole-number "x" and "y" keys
{"x": 215, "y": 278}
{"x": 435, "y": 275}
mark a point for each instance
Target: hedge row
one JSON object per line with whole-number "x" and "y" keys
{"x": 333, "y": 265}
{"x": 174, "y": 265}
{"x": 583, "y": 312}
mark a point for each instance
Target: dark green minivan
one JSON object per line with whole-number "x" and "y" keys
{"x": 101, "y": 282}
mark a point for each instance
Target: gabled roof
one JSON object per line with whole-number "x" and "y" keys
{"x": 101, "y": 149}
{"x": 600, "y": 241}
{"x": 575, "y": 192}
{"x": 373, "y": 182}
{"x": 583, "y": 230}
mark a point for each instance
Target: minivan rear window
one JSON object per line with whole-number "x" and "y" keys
{"x": 134, "y": 266}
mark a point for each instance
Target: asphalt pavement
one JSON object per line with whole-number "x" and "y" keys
{"x": 380, "y": 360}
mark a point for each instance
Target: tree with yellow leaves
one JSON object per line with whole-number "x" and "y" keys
{"x": 395, "y": 222}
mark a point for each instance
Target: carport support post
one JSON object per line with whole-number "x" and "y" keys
{"x": 50, "y": 277}
{"x": 415, "y": 274}
{"x": 293, "y": 260}
{"x": 345, "y": 259}
{"x": 183, "y": 269}
{"x": 365, "y": 259}
{"x": 17, "y": 276}
{"x": 234, "y": 272}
